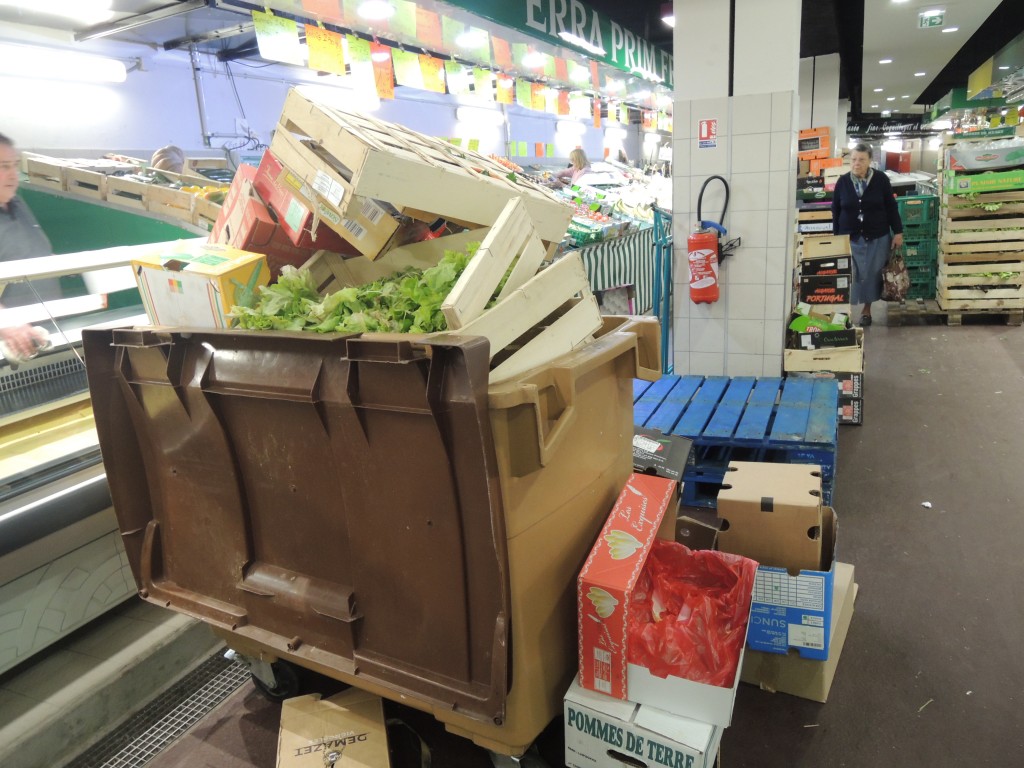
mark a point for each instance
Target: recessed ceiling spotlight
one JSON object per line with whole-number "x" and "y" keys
{"x": 874, "y": 106}
{"x": 951, "y": 29}
{"x": 919, "y": 74}
{"x": 905, "y": 97}
{"x": 890, "y": 98}
{"x": 1004, "y": 66}
{"x": 878, "y": 90}
{"x": 886, "y": 113}
{"x": 885, "y": 61}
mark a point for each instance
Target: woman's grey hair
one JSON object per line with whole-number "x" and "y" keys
{"x": 863, "y": 148}
{"x": 6, "y": 141}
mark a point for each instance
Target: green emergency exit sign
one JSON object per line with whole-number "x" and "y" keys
{"x": 927, "y": 20}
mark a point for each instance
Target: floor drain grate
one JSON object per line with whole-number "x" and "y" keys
{"x": 146, "y": 733}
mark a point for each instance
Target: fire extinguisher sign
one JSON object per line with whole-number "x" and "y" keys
{"x": 707, "y": 134}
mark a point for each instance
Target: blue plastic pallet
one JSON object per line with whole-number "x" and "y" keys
{"x": 791, "y": 421}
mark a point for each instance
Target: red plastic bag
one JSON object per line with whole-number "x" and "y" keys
{"x": 689, "y": 611}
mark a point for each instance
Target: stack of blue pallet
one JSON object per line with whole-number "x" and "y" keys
{"x": 790, "y": 420}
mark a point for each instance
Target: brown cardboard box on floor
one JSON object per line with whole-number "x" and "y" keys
{"x": 806, "y": 678}
{"x": 350, "y": 724}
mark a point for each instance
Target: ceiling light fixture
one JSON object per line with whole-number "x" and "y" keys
{"x": 56, "y": 64}
{"x": 885, "y": 61}
{"x": 668, "y": 15}
{"x": 375, "y": 10}
{"x": 907, "y": 96}
{"x": 890, "y": 98}
{"x": 919, "y": 74}
{"x": 878, "y": 90}
{"x": 1004, "y": 67}
{"x": 950, "y": 29}
{"x": 579, "y": 42}
{"x": 874, "y": 106}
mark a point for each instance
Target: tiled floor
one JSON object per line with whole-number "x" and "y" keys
{"x": 61, "y": 700}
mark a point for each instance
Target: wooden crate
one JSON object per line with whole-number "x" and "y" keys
{"x": 956, "y": 289}
{"x": 1010, "y": 204}
{"x": 373, "y": 159}
{"x": 42, "y": 171}
{"x": 127, "y": 192}
{"x": 91, "y": 184}
{"x": 205, "y": 212}
{"x": 538, "y": 316}
{"x": 205, "y": 163}
{"x": 170, "y": 202}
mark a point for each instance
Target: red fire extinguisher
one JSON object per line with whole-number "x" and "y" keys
{"x": 702, "y": 248}
{"x": 704, "y": 251}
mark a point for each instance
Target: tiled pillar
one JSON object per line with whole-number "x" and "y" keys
{"x": 742, "y": 333}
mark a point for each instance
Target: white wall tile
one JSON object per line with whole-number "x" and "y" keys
{"x": 714, "y": 197}
{"x": 746, "y": 337}
{"x": 750, "y": 152}
{"x": 715, "y": 309}
{"x": 776, "y": 266}
{"x": 780, "y": 193}
{"x": 782, "y": 111}
{"x": 774, "y": 302}
{"x": 681, "y": 333}
{"x": 681, "y": 128}
{"x": 707, "y": 363}
{"x": 772, "y": 365}
{"x": 707, "y": 334}
{"x": 709, "y": 109}
{"x": 744, "y": 266}
{"x": 707, "y": 161}
{"x": 751, "y": 226}
{"x": 751, "y": 114}
{"x": 748, "y": 191}
{"x": 680, "y": 362}
{"x": 680, "y": 156}
{"x": 781, "y": 155}
{"x": 773, "y": 340}
{"x": 779, "y": 225}
{"x": 744, "y": 365}
{"x": 746, "y": 302}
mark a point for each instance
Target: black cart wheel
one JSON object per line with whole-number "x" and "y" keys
{"x": 286, "y": 676}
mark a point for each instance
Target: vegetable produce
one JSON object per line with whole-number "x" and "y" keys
{"x": 405, "y": 302}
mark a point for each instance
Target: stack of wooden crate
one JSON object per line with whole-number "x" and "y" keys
{"x": 981, "y": 244}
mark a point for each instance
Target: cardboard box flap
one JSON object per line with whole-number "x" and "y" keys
{"x": 682, "y": 730}
{"x": 350, "y": 725}
{"x": 621, "y": 709}
{"x": 771, "y": 513}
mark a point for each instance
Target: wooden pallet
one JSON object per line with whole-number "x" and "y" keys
{"x": 929, "y": 310}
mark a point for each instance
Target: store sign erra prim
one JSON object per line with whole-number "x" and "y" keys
{"x": 871, "y": 127}
{"x": 548, "y": 19}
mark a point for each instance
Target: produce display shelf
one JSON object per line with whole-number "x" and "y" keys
{"x": 791, "y": 421}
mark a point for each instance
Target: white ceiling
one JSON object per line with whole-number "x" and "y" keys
{"x": 891, "y": 32}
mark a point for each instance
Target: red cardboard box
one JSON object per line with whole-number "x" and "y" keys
{"x": 245, "y": 222}
{"x": 605, "y": 588}
{"x": 277, "y": 186}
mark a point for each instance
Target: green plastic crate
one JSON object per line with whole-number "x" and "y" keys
{"x": 923, "y": 291}
{"x": 927, "y": 231}
{"x": 918, "y": 209}
{"x": 920, "y": 253}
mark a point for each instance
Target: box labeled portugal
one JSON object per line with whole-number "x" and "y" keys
{"x": 195, "y": 283}
{"x": 605, "y": 591}
{"x": 827, "y": 289}
{"x": 601, "y": 732}
{"x": 774, "y": 515}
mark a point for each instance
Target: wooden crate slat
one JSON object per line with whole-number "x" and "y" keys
{"x": 948, "y": 269}
{"x": 530, "y": 257}
{"x": 960, "y": 281}
{"x": 959, "y": 214}
{"x": 953, "y": 302}
{"x": 971, "y": 257}
{"x": 948, "y": 291}
{"x": 1016, "y": 235}
{"x": 961, "y": 225}
{"x": 1016, "y": 246}
{"x": 527, "y": 306}
{"x": 985, "y": 197}
{"x": 127, "y": 192}
{"x": 85, "y": 183}
{"x": 567, "y": 333}
{"x": 478, "y": 282}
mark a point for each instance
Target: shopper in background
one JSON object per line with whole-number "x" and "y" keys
{"x": 863, "y": 207}
{"x": 20, "y": 238}
{"x": 579, "y": 164}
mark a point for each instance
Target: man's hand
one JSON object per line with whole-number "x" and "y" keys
{"x": 897, "y": 241}
{"x": 23, "y": 340}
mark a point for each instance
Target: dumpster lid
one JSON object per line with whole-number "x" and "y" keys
{"x": 332, "y": 498}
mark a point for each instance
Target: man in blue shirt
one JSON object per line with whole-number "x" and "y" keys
{"x": 20, "y": 238}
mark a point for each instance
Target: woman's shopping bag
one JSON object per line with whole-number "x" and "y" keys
{"x": 895, "y": 277}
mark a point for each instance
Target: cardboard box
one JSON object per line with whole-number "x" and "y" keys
{"x": 605, "y": 588}
{"x": 821, "y": 166}
{"x": 293, "y": 204}
{"x": 826, "y": 245}
{"x": 807, "y": 133}
{"x": 771, "y": 513}
{"x": 807, "y": 678}
{"x": 821, "y": 339}
{"x": 803, "y": 167}
{"x": 194, "y": 283}
{"x": 813, "y": 154}
{"x": 851, "y": 385}
{"x": 813, "y": 195}
{"x": 830, "y": 289}
{"x": 697, "y": 534}
{"x": 601, "y": 732}
{"x": 832, "y": 173}
{"x": 845, "y": 359}
{"x": 349, "y": 724}
{"x": 967, "y": 157}
{"x": 851, "y": 410}
{"x": 811, "y": 182}
{"x": 655, "y": 453}
{"x": 825, "y": 266}
{"x": 246, "y": 223}
{"x": 993, "y": 181}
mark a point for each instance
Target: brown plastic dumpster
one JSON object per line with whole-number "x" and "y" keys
{"x": 368, "y": 507}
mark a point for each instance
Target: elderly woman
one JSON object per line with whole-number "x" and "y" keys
{"x": 578, "y": 166}
{"x": 864, "y": 207}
